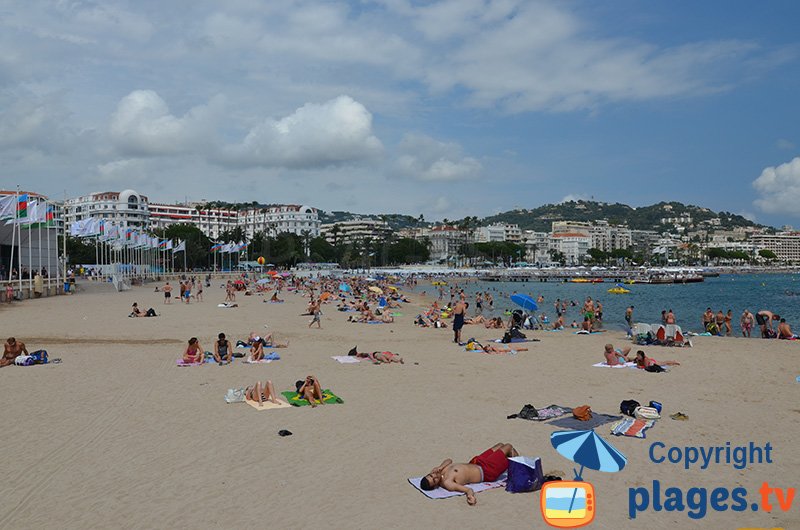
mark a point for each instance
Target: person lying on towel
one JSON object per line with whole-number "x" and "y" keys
{"x": 486, "y": 467}
{"x": 310, "y": 389}
{"x": 615, "y": 357}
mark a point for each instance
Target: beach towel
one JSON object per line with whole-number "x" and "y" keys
{"x": 632, "y": 427}
{"x": 181, "y": 362}
{"x": 606, "y": 365}
{"x": 346, "y": 359}
{"x": 268, "y": 405}
{"x": 227, "y": 305}
{"x": 296, "y": 400}
{"x": 516, "y": 340}
{"x": 596, "y": 420}
{"x": 441, "y": 493}
{"x": 584, "y": 332}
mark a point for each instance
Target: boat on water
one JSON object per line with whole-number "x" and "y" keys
{"x": 619, "y": 290}
{"x": 629, "y": 281}
{"x": 579, "y": 280}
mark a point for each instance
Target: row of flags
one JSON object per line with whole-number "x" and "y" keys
{"x": 26, "y": 212}
{"x": 229, "y": 248}
{"x": 120, "y": 236}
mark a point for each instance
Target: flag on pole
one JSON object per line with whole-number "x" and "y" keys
{"x": 216, "y": 247}
{"x": 180, "y": 248}
{"x": 22, "y": 206}
{"x": 8, "y": 207}
{"x": 169, "y": 244}
{"x": 162, "y": 245}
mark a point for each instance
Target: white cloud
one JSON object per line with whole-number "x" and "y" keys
{"x": 779, "y": 188}
{"x": 336, "y": 132}
{"x": 424, "y": 158}
{"x": 32, "y": 122}
{"x": 143, "y": 125}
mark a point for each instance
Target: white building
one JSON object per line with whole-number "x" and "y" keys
{"x": 279, "y": 219}
{"x": 574, "y": 246}
{"x": 446, "y": 242}
{"x": 785, "y": 245}
{"x": 537, "y": 246}
{"x": 211, "y": 221}
{"x": 126, "y": 208}
{"x": 355, "y": 230}
{"x": 491, "y": 233}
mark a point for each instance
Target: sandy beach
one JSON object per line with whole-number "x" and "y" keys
{"x": 117, "y": 436}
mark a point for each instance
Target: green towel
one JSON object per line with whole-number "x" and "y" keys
{"x": 296, "y": 400}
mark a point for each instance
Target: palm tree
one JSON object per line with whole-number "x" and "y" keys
{"x": 306, "y": 234}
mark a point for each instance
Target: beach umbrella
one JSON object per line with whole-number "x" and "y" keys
{"x": 344, "y": 288}
{"x": 524, "y": 301}
{"x": 375, "y": 289}
{"x": 263, "y": 281}
{"x": 272, "y": 273}
{"x": 286, "y": 274}
{"x": 589, "y": 450}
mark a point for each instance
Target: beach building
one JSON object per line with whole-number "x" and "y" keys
{"x": 785, "y": 245}
{"x": 573, "y": 245}
{"x": 355, "y": 230}
{"x": 126, "y": 208}
{"x": 491, "y": 233}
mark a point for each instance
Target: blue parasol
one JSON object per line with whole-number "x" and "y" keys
{"x": 524, "y": 301}
{"x": 589, "y": 450}
{"x": 344, "y": 287}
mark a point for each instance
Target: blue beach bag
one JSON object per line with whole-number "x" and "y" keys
{"x": 524, "y": 474}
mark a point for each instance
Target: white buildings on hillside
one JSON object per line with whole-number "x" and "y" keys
{"x": 573, "y": 245}
{"x": 211, "y": 221}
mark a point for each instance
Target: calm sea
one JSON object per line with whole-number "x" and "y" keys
{"x": 779, "y": 293}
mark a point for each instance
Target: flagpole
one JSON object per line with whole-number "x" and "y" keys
{"x": 30, "y": 260}
{"x": 49, "y": 250}
{"x": 64, "y": 227}
{"x": 13, "y": 235}
{"x": 39, "y": 233}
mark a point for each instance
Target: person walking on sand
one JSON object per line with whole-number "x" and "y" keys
{"x": 317, "y": 312}
{"x": 167, "y": 293}
{"x": 486, "y": 467}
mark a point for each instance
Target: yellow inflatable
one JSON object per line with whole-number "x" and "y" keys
{"x": 618, "y": 290}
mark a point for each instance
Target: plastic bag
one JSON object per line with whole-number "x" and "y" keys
{"x": 524, "y": 474}
{"x": 235, "y": 395}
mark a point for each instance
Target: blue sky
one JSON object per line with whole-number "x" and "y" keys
{"x": 455, "y": 108}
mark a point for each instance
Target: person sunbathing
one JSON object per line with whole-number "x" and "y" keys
{"x": 11, "y": 350}
{"x": 479, "y": 319}
{"x": 494, "y": 348}
{"x": 261, "y": 393}
{"x": 643, "y": 361}
{"x": 377, "y": 357}
{"x": 311, "y": 390}
{"x": 559, "y": 323}
{"x": 267, "y": 340}
{"x": 223, "y": 352}
{"x": 616, "y": 357}
{"x": 194, "y": 353}
{"x": 486, "y": 467}
{"x": 494, "y": 323}
{"x": 386, "y": 318}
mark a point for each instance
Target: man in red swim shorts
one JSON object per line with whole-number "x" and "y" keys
{"x": 486, "y": 467}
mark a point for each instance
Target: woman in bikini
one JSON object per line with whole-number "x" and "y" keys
{"x": 311, "y": 390}
{"x": 261, "y": 393}
{"x": 194, "y": 352}
{"x": 643, "y": 361}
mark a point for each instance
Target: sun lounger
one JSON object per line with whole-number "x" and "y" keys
{"x": 441, "y": 493}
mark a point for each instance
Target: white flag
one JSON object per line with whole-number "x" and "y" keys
{"x": 180, "y": 248}
{"x": 8, "y": 207}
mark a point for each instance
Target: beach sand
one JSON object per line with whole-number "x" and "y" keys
{"x": 118, "y": 436}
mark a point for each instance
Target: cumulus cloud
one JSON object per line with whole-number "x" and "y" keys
{"x": 779, "y": 188}
{"x": 424, "y": 158}
{"x": 574, "y": 197}
{"x": 336, "y": 132}
{"x": 142, "y": 125}
{"x": 32, "y": 122}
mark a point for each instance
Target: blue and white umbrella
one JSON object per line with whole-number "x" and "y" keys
{"x": 589, "y": 450}
{"x": 525, "y": 302}
{"x": 344, "y": 287}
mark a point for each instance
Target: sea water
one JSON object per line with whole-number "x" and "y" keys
{"x": 779, "y": 293}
